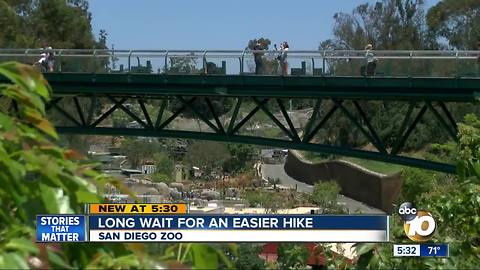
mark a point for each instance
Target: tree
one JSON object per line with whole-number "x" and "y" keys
{"x": 292, "y": 256}
{"x": 55, "y": 23}
{"x": 209, "y": 156}
{"x": 164, "y": 163}
{"x": 248, "y": 257}
{"x": 458, "y": 21}
{"x": 241, "y": 157}
{"x": 138, "y": 150}
{"x": 387, "y": 24}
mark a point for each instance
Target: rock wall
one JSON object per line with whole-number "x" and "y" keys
{"x": 375, "y": 189}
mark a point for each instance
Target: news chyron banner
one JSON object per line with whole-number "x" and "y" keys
{"x": 173, "y": 223}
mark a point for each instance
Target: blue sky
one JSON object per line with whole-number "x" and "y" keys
{"x": 216, "y": 24}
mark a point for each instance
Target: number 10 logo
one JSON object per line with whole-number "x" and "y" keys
{"x": 419, "y": 225}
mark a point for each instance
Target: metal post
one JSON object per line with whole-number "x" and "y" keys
{"x": 242, "y": 62}
{"x": 323, "y": 64}
{"x": 94, "y": 61}
{"x": 410, "y": 66}
{"x": 25, "y": 57}
{"x": 166, "y": 63}
{"x": 60, "y": 60}
{"x": 457, "y": 74}
{"x": 205, "y": 62}
{"x": 129, "y": 60}
{"x": 313, "y": 66}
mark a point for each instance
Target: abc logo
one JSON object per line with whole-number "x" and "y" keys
{"x": 419, "y": 225}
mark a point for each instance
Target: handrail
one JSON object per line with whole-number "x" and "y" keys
{"x": 327, "y": 53}
{"x": 331, "y": 59}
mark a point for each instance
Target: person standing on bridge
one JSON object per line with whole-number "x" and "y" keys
{"x": 282, "y": 57}
{"x": 258, "y": 58}
{"x": 50, "y": 59}
{"x": 371, "y": 65}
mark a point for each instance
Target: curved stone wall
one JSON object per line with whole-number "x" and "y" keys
{"x": 375, "y": 189}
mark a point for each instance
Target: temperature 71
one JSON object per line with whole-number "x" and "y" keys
{"x": 433, "y": 249}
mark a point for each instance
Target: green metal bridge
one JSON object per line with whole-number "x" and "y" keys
{"x": 95, "y": 90}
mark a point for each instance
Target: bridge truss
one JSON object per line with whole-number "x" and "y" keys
{"x": 156, "y": 106}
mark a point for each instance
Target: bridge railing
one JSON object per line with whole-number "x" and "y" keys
{"x": 241, "y": 62}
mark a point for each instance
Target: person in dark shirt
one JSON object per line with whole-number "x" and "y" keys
{"x": 258, "y": 58}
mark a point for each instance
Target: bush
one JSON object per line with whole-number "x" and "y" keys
{"x": 416, "y": 182}
{"x": 325, "y": 196}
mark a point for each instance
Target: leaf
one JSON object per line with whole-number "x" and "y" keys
{"x": 25, "y": 98}
{"x": 204, "y": 257}
{"x": 6, "y": 123}
{"x": 22, "y": 244}
{"x": 48, "y": 198}
{"x": 37, "y": 120}
{"x": 363, "y": 248}
{"x": 73, "y": 155}
{"x": 13, "y": 260}
{"x": 27, "y": 77}
{"x": 57, "y": 260}
{"x": 86, "y": 197}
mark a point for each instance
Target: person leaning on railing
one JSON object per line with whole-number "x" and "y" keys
{"x": 46, "y": 61}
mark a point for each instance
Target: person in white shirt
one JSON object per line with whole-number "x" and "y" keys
{"x": 42, "y": 62}
{"x": 282, "y": 58}
{"x": 50, "y": 59}
{"x": 371, "y": 61}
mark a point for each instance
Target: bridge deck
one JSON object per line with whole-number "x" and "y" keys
{"x": 445, "y": 89}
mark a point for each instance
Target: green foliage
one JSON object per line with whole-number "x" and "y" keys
{"x": 457, "y": 21}
{"x": 469, "y": 148}
{"x": 164, "y": 163}
{"x": 240, "y": 157}
{"x": 200, "y": 256}
{"x": 270, "y": 201}
{"x": 292, "y": 256}
{"x": 416, "y": 183}
{"x": 138, "y": 150}
{"x": 162, "y": 178}
{"x": 387, "y": 24}
{"x": 219, "y": 105}
{"x": 325, "y": 196}
{"x": 209, "y": 156}
{"x": 56, "y": 23}
{"x": 455, "y": 205}
{"x": 38, "y": 177}
{"x": 248, "y": 257}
